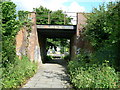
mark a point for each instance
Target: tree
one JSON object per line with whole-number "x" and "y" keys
{"x": 42, "y": 15}
{"x": 58, "y": 17}
{"x": 9, "y": 29}
{"x": 103, "y": 31}
{"x": 55, "y": 17}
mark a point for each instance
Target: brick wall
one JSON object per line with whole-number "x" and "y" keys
{"x": 28, "y": 45}
{"x": 81, "y": 42}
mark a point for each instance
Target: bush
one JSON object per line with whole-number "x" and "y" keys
{"x": 14, "y": 71}
{"x": 67, "y": 57}
{"x": 16, "y": 74}
{"x": 102, "y": 30}
{"x": 87, "y": 75}
{"x": 48, "y": 58}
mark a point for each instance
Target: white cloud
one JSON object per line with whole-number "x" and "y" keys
{"x": 27, "y": 4}
{"x": 50, "y": 4}
{"x": 93, "y": 0}
{"x": 75, "y": 7}
{"x": 53, "y": 4}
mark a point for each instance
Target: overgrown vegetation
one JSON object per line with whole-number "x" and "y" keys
{"x": 67, "y": 57}
{"x": 47, "y": 16}
{"x": 100, "y": 68}
{"x": 16, "y": 74}
{"x": 103, "y": 31}
{"x": 14, "y": 71}
{"x": 48, "y": 58}
{"x": 87, "y": 73}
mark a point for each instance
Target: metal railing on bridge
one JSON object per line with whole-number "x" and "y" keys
{"x": 48, "y": 17}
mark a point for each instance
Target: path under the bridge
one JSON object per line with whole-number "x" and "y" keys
{"x": 50, "y": 75}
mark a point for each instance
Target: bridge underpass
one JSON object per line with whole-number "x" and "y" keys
{"x": 33, "y": 43}
{"x": 55, "y": 31}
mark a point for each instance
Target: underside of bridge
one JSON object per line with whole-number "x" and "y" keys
{"x": 55, "y": 31}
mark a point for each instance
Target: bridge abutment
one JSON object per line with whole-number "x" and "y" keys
{"x": 27, "y": 42}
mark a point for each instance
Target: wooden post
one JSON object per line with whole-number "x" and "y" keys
{"x": 48, "y": 17}
{"x": 64, "y": 19}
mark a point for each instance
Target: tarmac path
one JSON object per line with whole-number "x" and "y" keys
{"x": 50, "y": 75}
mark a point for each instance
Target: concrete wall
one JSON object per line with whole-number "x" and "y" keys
{"x": 27, "y": 43}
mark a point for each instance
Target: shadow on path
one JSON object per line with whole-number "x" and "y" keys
{"x": 50, "y": 75}
{"x": 57, "y": 61}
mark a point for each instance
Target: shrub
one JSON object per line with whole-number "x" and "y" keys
{"x": 102, "y": 30}
{"x": 48, "y": 58}
{"x": 92, "y": 75}
{"x": 16, "y": 74}
{"x": 88, "y": 71}
{"x": 67, "y": 57}
{"x": 14, "y": 71}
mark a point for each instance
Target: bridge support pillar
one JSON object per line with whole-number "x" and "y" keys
{"x": 42, "y": 43}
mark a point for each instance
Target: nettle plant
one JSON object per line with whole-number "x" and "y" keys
{"x": 92, "y": 75}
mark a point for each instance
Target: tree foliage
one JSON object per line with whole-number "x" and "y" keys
{"x": 55, "y": 17}
{"x": 13, "y": 69}
{"x": 42, "y": 15}
{"x": 9, "y": 29}
{"x": 103, "y": 25}
{"x": 103, "y": 29}
{"x": 58, "y": 42}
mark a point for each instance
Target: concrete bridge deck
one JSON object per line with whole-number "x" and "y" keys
{"x": 56, "y": 31}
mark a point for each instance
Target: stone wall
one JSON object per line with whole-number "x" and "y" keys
{"x": 29, "y": 45}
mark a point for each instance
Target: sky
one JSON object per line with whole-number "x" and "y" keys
{"x": 65, "y": 5}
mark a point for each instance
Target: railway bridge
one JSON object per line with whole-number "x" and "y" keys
{"x": 33, "y": 44}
